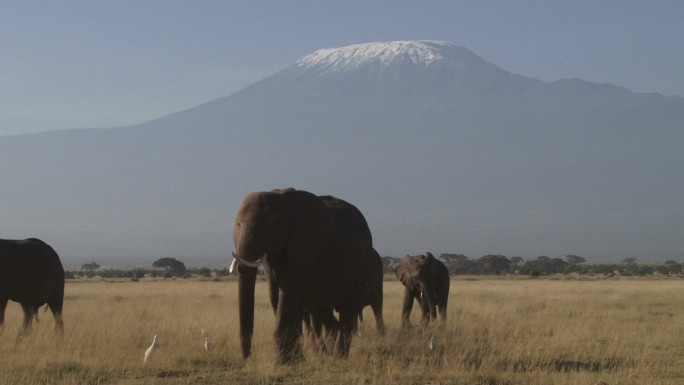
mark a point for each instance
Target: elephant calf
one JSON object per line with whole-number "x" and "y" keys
{"x": 31, "y": 274}
{"x": 427, "y": 281}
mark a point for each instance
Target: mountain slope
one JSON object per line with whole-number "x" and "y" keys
{"x": 440, "y": 149}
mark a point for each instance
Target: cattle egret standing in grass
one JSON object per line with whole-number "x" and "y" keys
{"x": 208, "y": 346}
{"x": 150, "y": 351}
{"x": 433, "y": 344}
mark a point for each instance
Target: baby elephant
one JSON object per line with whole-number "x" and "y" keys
{"x": 427, "y": 280}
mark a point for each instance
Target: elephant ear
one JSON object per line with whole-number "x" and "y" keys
{"x": 421, "y": 260}
{"x": 402, "y": 272}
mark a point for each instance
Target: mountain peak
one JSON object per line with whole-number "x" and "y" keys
{"x": 422, "y": 53}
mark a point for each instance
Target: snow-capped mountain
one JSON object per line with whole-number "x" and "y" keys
{"x": 442, "y": 150}
{"x": 383, "y": 56}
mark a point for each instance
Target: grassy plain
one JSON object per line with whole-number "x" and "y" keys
{"x": 499, "y": 332}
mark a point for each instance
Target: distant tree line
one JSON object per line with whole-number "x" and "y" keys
{"x": 161, "y": 268}
{"x": 496, "y": 264}
{"x": 458, "y": 264}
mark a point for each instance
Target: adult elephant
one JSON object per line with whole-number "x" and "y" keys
{"x": 31, "y": 274}
{"x": 315, "y": 252}
{"x": 426, "y": 280}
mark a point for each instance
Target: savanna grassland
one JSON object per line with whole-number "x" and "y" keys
{"x": 499, "y": 332}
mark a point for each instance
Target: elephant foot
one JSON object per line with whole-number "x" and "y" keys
{"x": 59, "y": 324}
{"x": 293, "y": 356}
{"x": 343, "y": 346}
{"x": 382, "y": 331}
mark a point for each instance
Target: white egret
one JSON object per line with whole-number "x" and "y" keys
{"x": 433, "y": 345}
{"x": 208, "y": 346}
{"x": 150, "y": 351}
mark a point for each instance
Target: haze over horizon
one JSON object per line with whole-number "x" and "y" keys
{"x": 97, "y": 65}
{"x": 485, "y": 152}
{"x": 441, "y": 149}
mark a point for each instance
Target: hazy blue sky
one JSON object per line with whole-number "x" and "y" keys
{"x": 77, "y": 64}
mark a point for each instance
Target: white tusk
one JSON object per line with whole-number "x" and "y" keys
{"x": 233, "y": 265}
{"x": 241, "y": 261}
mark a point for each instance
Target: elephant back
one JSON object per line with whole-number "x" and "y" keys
{"x": 349, "y": 221}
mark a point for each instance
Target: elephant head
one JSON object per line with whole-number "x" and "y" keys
{"x": 262, "y": 226}
{"x": 314, "y": 251}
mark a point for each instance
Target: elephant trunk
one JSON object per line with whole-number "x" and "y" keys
{"x": 250, "y": 247}
{"x": 247, "y": 282}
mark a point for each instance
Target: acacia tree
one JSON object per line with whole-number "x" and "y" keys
{"x": 545, "y": 265}
{"x": 460, "y": 264}
{"x": 573, "y": 262}
{"x": 517, "y": 262}
{"x": 495, "y": 264}
{"x": 89, "y": 267}
{"x": 574, "y": 259}
{"x": 171, "y": 266}
{"x": 670, "y": 267}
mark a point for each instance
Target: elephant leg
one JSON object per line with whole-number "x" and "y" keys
{"x": 324, "y": 318}
{"x": 425, "y": 309}
{"x": 3, "y": 305}
{"x": 348, "y": 323}
{"x": 29, "y": 313}
{"x": 406, "y": 308}
{"x": 55, "y": 305}
{"x": 376, "y": 306}
{"x": 443, "y": 301}
{"x": 428, "y": 304}
{"x": 316, "y": 327}
{"x": 442, "y": 313}
{"x": 307, "y": 323}
{"x": 312, "y": 327}
{"x": 432, "y": 303}
{"x": 442, "y": 309}
{"x": 289, "y": 327}
{"x": 273, "y": 287}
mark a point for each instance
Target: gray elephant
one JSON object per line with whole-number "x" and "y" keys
{"x": 316, "y": 253}
{"x": 426, "y": 280}
{"x": 31, "y": 274}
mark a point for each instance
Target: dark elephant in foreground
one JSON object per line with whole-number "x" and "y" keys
{"x": 316, "y": 253}
{"x": 31, "y": 274}
{"x": 426, "y": 280}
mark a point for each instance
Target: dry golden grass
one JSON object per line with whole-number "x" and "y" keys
{"x": 499, "y": 332}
